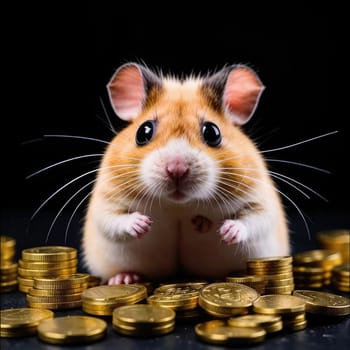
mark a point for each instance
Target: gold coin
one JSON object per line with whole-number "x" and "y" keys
{"x": 323, "y": 303}
{"x": 143, "y": 315}
{"x": 342, "y": 270}
{"x": 140, "y": 332}
{"x": 270, "y": 261}
{"x": 62, "y": 282}
{"x": 218, "y": 332}
{"x": 54, "y": 292}
{"x": 318, "y": 257}
{"x": 47, "y": 273}
{"x": 285, "y": 290}
{"x": 72, "y": 330}
{"x": 245, "y": 279}
{"x": 94, "y": 281}
{"x": 278, "y": 304}
{"x": 7, "y": 242}
{"x": 8, "y": 286}
{"x": 176, "y": 302}
{"x": 56, "y": 306}
{"x": 8, "y": 277}
{"x": 271, "y": 323}
{"x": 180, "y": 288}
{"x": 114, "y": 294}
{"x": 334, "y": 236}
{"x": 33, "y": 299}
{"x": 49, "y": 253}
{"x": 47, "y": 265}
{"x": 21, "y": 321}
{"x": 225, "y": 298}
{"x": 8, "y": 267}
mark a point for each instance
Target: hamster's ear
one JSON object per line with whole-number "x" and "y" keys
{"x": 129, "y": 89}
{"x": 236, "y": 91}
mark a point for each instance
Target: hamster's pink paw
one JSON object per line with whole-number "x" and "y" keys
{"x": 124, "y": 278}
{"x": 233, "y": 231}
{"x": 138, "y": 225}
{"x": 201, "y": 223}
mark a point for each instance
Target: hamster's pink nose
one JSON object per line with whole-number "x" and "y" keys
{"x": 177, "y": 169}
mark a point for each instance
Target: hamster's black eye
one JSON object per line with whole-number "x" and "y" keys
{"x": 145, "y": 132}
{"x": 211, "y": 134}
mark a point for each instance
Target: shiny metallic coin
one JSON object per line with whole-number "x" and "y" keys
{"x": 322, "y": 303}
{"x": 72, "y": 330}
{"x": 278, "y": 304}
{"x": 219, "y": 332}
{"x": 19, "y": 322}
{"x": 49, "y": 253}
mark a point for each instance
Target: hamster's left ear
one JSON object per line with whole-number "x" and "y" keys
{"x": 235, "y": 91}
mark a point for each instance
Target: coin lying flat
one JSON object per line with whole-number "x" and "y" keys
{"x": 279, "y": 304}
{"x": 22, "y": 321}
{"x": 72, "y": 330}
{"x": 271, "y": 323}
{"x": 219, "y": 332}
{"x": 322, "y": 303}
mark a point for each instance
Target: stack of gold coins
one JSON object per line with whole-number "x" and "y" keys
{"x": 45, "y": 262}
{"x": 219, "y": 332}
{"x": 323, "y": 303}
{"x": 180, "y": 297}
{"x": 289, "y": 307}
{"x": 59, "y": 293}
{"x": 72, "y": 330}
{"x": 21, "y": 322}
{"x": 256, "y": 282}
{"x": 143, "y": 320}
{"x": 8, "y": 267}
{"x": 225, "y": 299}
{"x": 336, "y": 240}
{"x": 310, "y": 265}
{"x": 277, "y": 272}
{"x": 102, "y": 300}
{"x": 271, "y": 323}
{"x": 341, "y": 277}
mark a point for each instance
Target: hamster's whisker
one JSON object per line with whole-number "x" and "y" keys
{"x": 73, "y": 214}
{"x": 283, "y": 177}
{"x": 65, "y": 186}
{"x": 107, "y": 117}
{"x": 77, "y": 137}
{"x": 64, "y": 205}
{"x": 299, "y": 164}
{"x": 63, "y": 162}
{"x": 285, "y": 196}
{"x": 299, "y": 143}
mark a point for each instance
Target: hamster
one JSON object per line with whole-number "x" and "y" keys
{"x": 182, "y": 190}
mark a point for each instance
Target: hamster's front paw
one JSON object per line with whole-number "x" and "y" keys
{"x": 138, "y": 224}
{"x": 233, "y": 231}
{"x": 124, "y": 278}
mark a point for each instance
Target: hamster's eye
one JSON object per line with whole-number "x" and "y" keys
{"x": 145, "y": 132}
{"x": 211, "y": 134}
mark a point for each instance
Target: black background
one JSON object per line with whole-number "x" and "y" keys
{"x": 59, "y": 59}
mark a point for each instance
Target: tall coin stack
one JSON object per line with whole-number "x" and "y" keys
{"x": 277, "y": 272}
{"x": 341, "y": 278}
{"x": 45, "y": 262}
{"x": 313, "y": 268}
{"x": 8, "y": 267}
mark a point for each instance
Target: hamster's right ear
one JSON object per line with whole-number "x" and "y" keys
{"x": 129, "y": 89}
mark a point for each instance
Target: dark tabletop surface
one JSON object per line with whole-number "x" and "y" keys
{"x": 321, "y": 334}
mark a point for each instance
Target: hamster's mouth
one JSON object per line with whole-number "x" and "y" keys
{"x": 177, "y": 195}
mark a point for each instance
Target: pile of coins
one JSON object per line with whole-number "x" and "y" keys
{"x": 289, "y": 307}
{"x": 143, "y": 320}
{"x": 313, "y": 268}
{"x": 253, "y": 281}
{"x": 341, "y": 277}
{"x": 8, "y": 267}
{"x": 102, "y": 300}
{"x": 276, "y": 271}
{"x": 180, "y": 297}
{"x": 45, "y": 262}
{"x": 337, "y": 241}
{"x": 58, "y": 293}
